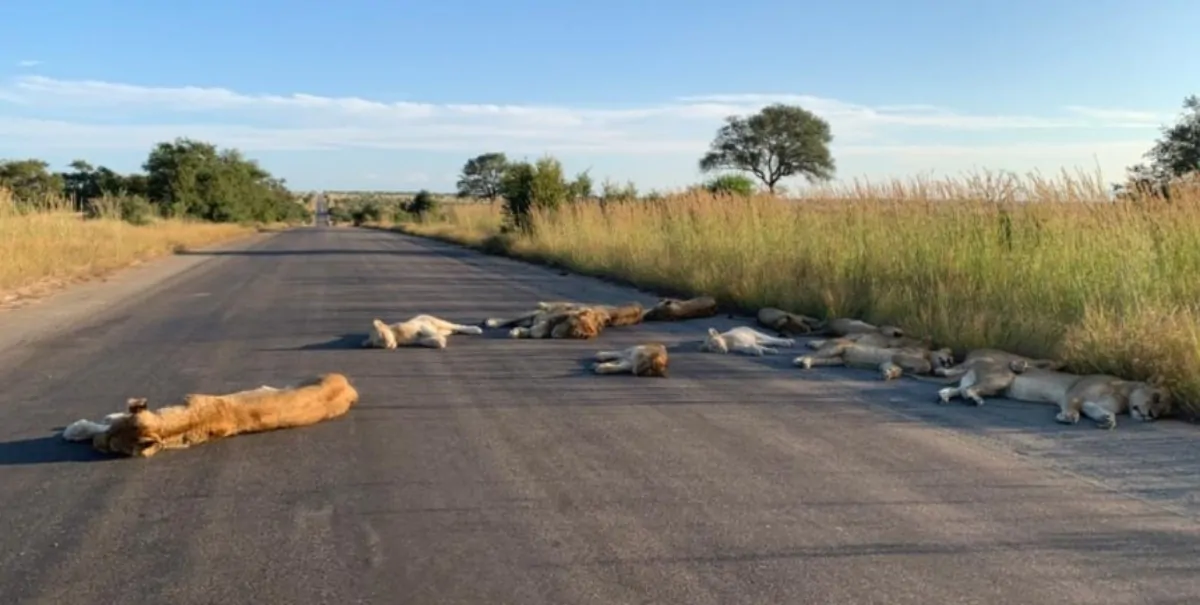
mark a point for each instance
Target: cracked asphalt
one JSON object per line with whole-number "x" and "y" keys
{"x": 501, "y": 471}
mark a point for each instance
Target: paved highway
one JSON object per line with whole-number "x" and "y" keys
{"x": 500, "y": 471}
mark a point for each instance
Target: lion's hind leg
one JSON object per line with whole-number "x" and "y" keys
{"x": 608, "y": 355}
{"x": 83, "y": 430}
{"x": 430, "y": 337}
{"x": 449, "y": 326}
{"x": 619, "y": 366}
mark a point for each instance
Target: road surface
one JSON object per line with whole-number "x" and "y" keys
{"x": 500, "y": 471}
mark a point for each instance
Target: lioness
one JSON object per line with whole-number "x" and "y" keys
{"x": 874, "y": 339}
{"x": 674, "y": 309}
{"x": 786, "y": 324}
{"x": 743, "y": 339}
{"x": 140, "y": 432}
{"x": 1101, "y": 397}
{"x": 422, "y": 330}
{"x": 582, "y": 323}
{"x": 845, "y": 326}
{"x": 892, "y": 362}
{"x": 1001, "y": 357}
{"x": 640, "y": 360}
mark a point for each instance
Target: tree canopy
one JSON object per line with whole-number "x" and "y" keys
{"x": 482, "y": 176}
{"x": 777, "y": 142}
{"x": 1175, "y": 155}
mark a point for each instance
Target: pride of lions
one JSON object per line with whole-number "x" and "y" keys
{"x": 141, "y": 432}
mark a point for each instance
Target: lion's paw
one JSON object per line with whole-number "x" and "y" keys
{"x": 1067, "y": 417}
{"x": 803, "y": 361}
{"x": 944, "y": 395}
{"x": 1109, "y": 422}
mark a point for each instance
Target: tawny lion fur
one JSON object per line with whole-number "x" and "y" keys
{"x": 612, "y": 315}
{"x": 422, "y": 330}
{"x": 674, "y": 309}
{"x": 845, "y": 326}
{"x": 141, "y": 432}
{"x": 743, "y": 339}
{"x": 892, "y": 362}
{"x": 583, "y": 323}
{"x": 1100, "y": 397}
{"x": 640, "y": 360}
{"x": 786, "y": 324}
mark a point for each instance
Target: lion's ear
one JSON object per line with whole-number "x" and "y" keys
{"x": 136, "y": 404}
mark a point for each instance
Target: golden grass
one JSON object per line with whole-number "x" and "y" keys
{"x": 46, "y": 249}
{"x": 1044, "y": 267}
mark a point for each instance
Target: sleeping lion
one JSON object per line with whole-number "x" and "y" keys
{"x": 640, "y": 360}
{"x": 141, "y": 432}
{"x": 422, "y": 330}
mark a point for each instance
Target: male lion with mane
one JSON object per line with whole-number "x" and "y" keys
{"x": 627, "y": 314}
{"x": 583, "y": 323}
{"x": 141, "y": 432}
{"x": 640, "y": 360}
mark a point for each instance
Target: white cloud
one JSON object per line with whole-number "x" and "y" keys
{"x": 87, "y": 114}
{"x": 28, "y": 63}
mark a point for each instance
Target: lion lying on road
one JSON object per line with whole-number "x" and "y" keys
{"x": 743, "y": 339}
{"x": 640, "y": 360}
{"x": 1098, "y": 396}
{"x": 786, "y": 324}
{"x": 613, "y": 315}
{"x": 892, "y": 362}
{"x": 581, "y": 323}
{"x": 674, "y": 309}
{"x": 141, "y": 432}
{"x": 422, "y": 330}
{"x": 1101, "y": 397}
{"x": 998, "y": 356}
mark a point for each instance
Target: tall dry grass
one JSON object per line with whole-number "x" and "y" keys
{"x": 1044, "y": 267}
{"x": 47, "y": 246}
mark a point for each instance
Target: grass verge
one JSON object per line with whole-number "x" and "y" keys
{"x": 1042, "y": 267}
{"x": 47, "y": 249}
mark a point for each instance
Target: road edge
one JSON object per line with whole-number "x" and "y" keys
{"x": 84, "y": 302}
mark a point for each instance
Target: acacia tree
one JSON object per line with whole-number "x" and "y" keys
{"x": 1175, "y": 155}
{"x": 779, "y": 141}
{"x": 482, "y": 175}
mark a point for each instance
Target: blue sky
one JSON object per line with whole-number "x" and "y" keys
{"x": 397, "y": 95}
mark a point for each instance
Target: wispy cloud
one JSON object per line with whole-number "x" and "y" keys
{"x": 44, "y": 113}
{"x": 129, "y": 115}
{"x": 28, "y": 63}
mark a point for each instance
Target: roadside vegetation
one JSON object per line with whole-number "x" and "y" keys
{"x": 1102, "y": 276}
{"x": 60, "y": 227}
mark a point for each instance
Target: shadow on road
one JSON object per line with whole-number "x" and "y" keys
{"x": 46, "y": 450}
{"x": 345, "y": 341}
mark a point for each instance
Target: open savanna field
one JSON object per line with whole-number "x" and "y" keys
{"x": 1043, "y": 267}
{"x": 51, "y": 245}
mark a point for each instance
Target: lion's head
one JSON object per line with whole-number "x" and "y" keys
{"x": 714, "y": 342}
{"x": 129, "y": 434}
{"x": 381, "y": 336}
{"x": 941, "y": 358}
{"x": 585, "y": 323}
{"x": 1149, "y": 402}
{"x": 654, "y": 363}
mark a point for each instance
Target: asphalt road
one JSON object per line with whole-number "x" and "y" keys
{"x": 500, "y": 471}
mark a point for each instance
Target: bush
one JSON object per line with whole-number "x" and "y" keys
{"x": 731, "y": 184}
{"x": 527, "y": 187}
{"x": 422, "y": 203}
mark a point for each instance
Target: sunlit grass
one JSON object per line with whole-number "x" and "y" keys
{"x": 1045, "y": 267}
